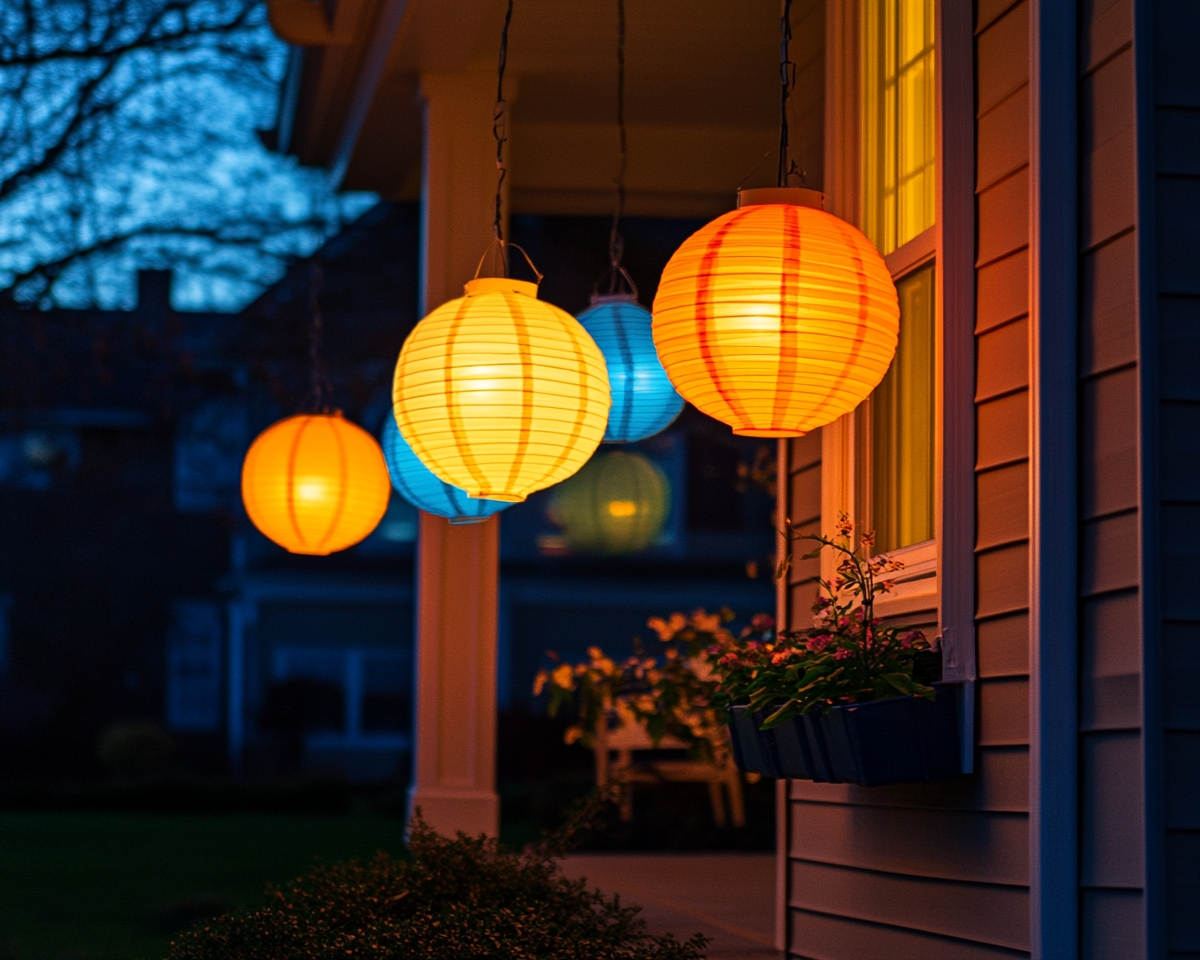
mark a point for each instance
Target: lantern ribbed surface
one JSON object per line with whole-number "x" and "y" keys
{"x": 416, "y": 484}
{"x": 315, "y": 484}
{"x": 643, "y": 400}
{"x": 499, "y": 393}
{"x": 617, "y": 503}
{"x": 776, "y": 318}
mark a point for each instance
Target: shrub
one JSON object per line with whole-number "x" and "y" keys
{"x": 461, "y": 899}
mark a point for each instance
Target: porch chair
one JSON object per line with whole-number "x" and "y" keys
{"x": 623, "y": 772}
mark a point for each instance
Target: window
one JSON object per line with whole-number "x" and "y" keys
{"x": 895, "y": 429}
{"x": 884, "y": 456}
{"x": 899, "y": 136}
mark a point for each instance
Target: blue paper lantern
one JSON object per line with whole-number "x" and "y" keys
{"x": 419, "y": 486}
{"x": 643, "y": 399}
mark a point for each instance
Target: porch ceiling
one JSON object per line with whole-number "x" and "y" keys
{"x": 701, "y": 94}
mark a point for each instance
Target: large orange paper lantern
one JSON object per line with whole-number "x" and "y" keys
{"x": 500, "y": 393}
{"x": 315, "y": 484}
{"x": 776, "y": 318}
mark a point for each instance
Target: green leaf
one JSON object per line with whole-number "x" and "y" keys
{"x": 786, "y": 712}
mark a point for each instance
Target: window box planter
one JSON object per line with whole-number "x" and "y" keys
{"x": 898, "y": 740}
{"x": 754, "y": 750}
{"x": 801, "y": 745}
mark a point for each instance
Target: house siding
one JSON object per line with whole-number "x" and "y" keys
{"x": 1112, "y": 868}
{"x": 1175, "y": 173}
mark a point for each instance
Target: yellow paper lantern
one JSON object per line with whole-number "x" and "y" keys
{"x": 499, "y": 393}
{"x": 776, "y": 318}
{"x": 315, "y": 484}
{"x": 617, "y": 503}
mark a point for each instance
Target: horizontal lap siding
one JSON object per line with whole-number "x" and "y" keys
{"x": 804, "y": 510}
{"x": 1002, "y": 454}
{"x": 1176, "y": 33}
{"x": 941, "y": 870}
{"x": 1112, "y": 836}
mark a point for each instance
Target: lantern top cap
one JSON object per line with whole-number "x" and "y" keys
{"x": 599, "y": 299}
{"x": 482, "y": 285}
{"x": 793, "y": 196}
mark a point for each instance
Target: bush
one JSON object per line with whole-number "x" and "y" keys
{"x": 462, "y": 899}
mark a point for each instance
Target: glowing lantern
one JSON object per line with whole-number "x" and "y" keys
{"x": 643, "y": 400}
{"x": 777, "y": 317}
{"x": 499, "y": 393}
{"x": 616, "y": 504}
{"x": 416, "y": 484}
{"x": 315, "y": 484}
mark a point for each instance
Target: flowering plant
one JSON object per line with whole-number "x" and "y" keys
{"x": 673, "y": 693}
{"x": 848, "y": 656}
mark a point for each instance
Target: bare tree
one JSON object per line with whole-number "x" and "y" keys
{"x": 127, "y": 137}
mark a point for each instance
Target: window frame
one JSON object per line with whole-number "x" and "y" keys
{"x": 939, "y": 573}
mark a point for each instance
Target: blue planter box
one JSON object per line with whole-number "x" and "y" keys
{"x": 803, "y": 754}
{"x": 753, "y": 749}
{"x": 898, "y": 740}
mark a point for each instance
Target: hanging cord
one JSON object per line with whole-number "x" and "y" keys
{"x": 616, "y": 242}
{"x": 500, "y": 132}
{"x": 787, "y": 80}
{"x": 320, "y": 388}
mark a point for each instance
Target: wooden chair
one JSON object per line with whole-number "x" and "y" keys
{"x": 622, "y": 771}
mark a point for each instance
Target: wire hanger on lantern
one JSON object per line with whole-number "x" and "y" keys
{"x": 498, "y": 248}
{"x": 616, "y": 272}
{"x": 787, "y": 82}
{"x": 320, "y": 386}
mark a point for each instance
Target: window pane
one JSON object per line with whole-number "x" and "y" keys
{"x": 899, "y": 133}
{"x": 900, "y": 432}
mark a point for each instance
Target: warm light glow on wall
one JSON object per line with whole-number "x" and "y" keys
{"x": 776, "y": 318}
{"x": 643, "y": 400}
{"x": 419, "y": 486}
{"x": 315, "y": 484}
{"x": 617, "y": 503}
{"x": 499, "y": 393}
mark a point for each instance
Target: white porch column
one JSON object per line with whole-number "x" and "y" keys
{"x": 458, "y": 567}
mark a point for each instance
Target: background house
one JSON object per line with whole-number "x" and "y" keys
{"x": 131, "y": 427}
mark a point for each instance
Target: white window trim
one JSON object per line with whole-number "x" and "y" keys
{"x": 950, "y": 242}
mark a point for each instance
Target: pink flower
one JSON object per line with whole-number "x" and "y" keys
{"x": 818, "y": 643}
{"x": 762, "y": 621}
{"x": 843, "y": 654}
{"x": 713, "y": 650}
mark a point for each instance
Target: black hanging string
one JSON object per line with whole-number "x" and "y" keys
{"x": 320, "y": 389}
{"x": 500, "y": 132}
{"x": 787, "y": 80}
{"x": 616, "y": 242}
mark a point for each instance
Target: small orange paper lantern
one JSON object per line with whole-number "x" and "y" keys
{"x": 500, "y": 393}
{"x": 315, "y": 484}
{"x": 776, "y": 318}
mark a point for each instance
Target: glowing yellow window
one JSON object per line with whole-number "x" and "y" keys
{"x": 898, "y": 121}
{"x": 895, "y": 431}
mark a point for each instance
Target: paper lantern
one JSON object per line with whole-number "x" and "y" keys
{"x": 776, "y": 318}
{"x": 416, "y": 484}
{"x": 643, "y": 400}
{"x": 315, "y": 484}
{"x": 616, "y": 504}
{"x": 499, "y": 393}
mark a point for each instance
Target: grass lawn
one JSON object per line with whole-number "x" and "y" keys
{"x": 112, "y": 886}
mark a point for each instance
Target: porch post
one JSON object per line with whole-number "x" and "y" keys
{"x": 454, "y": 763}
